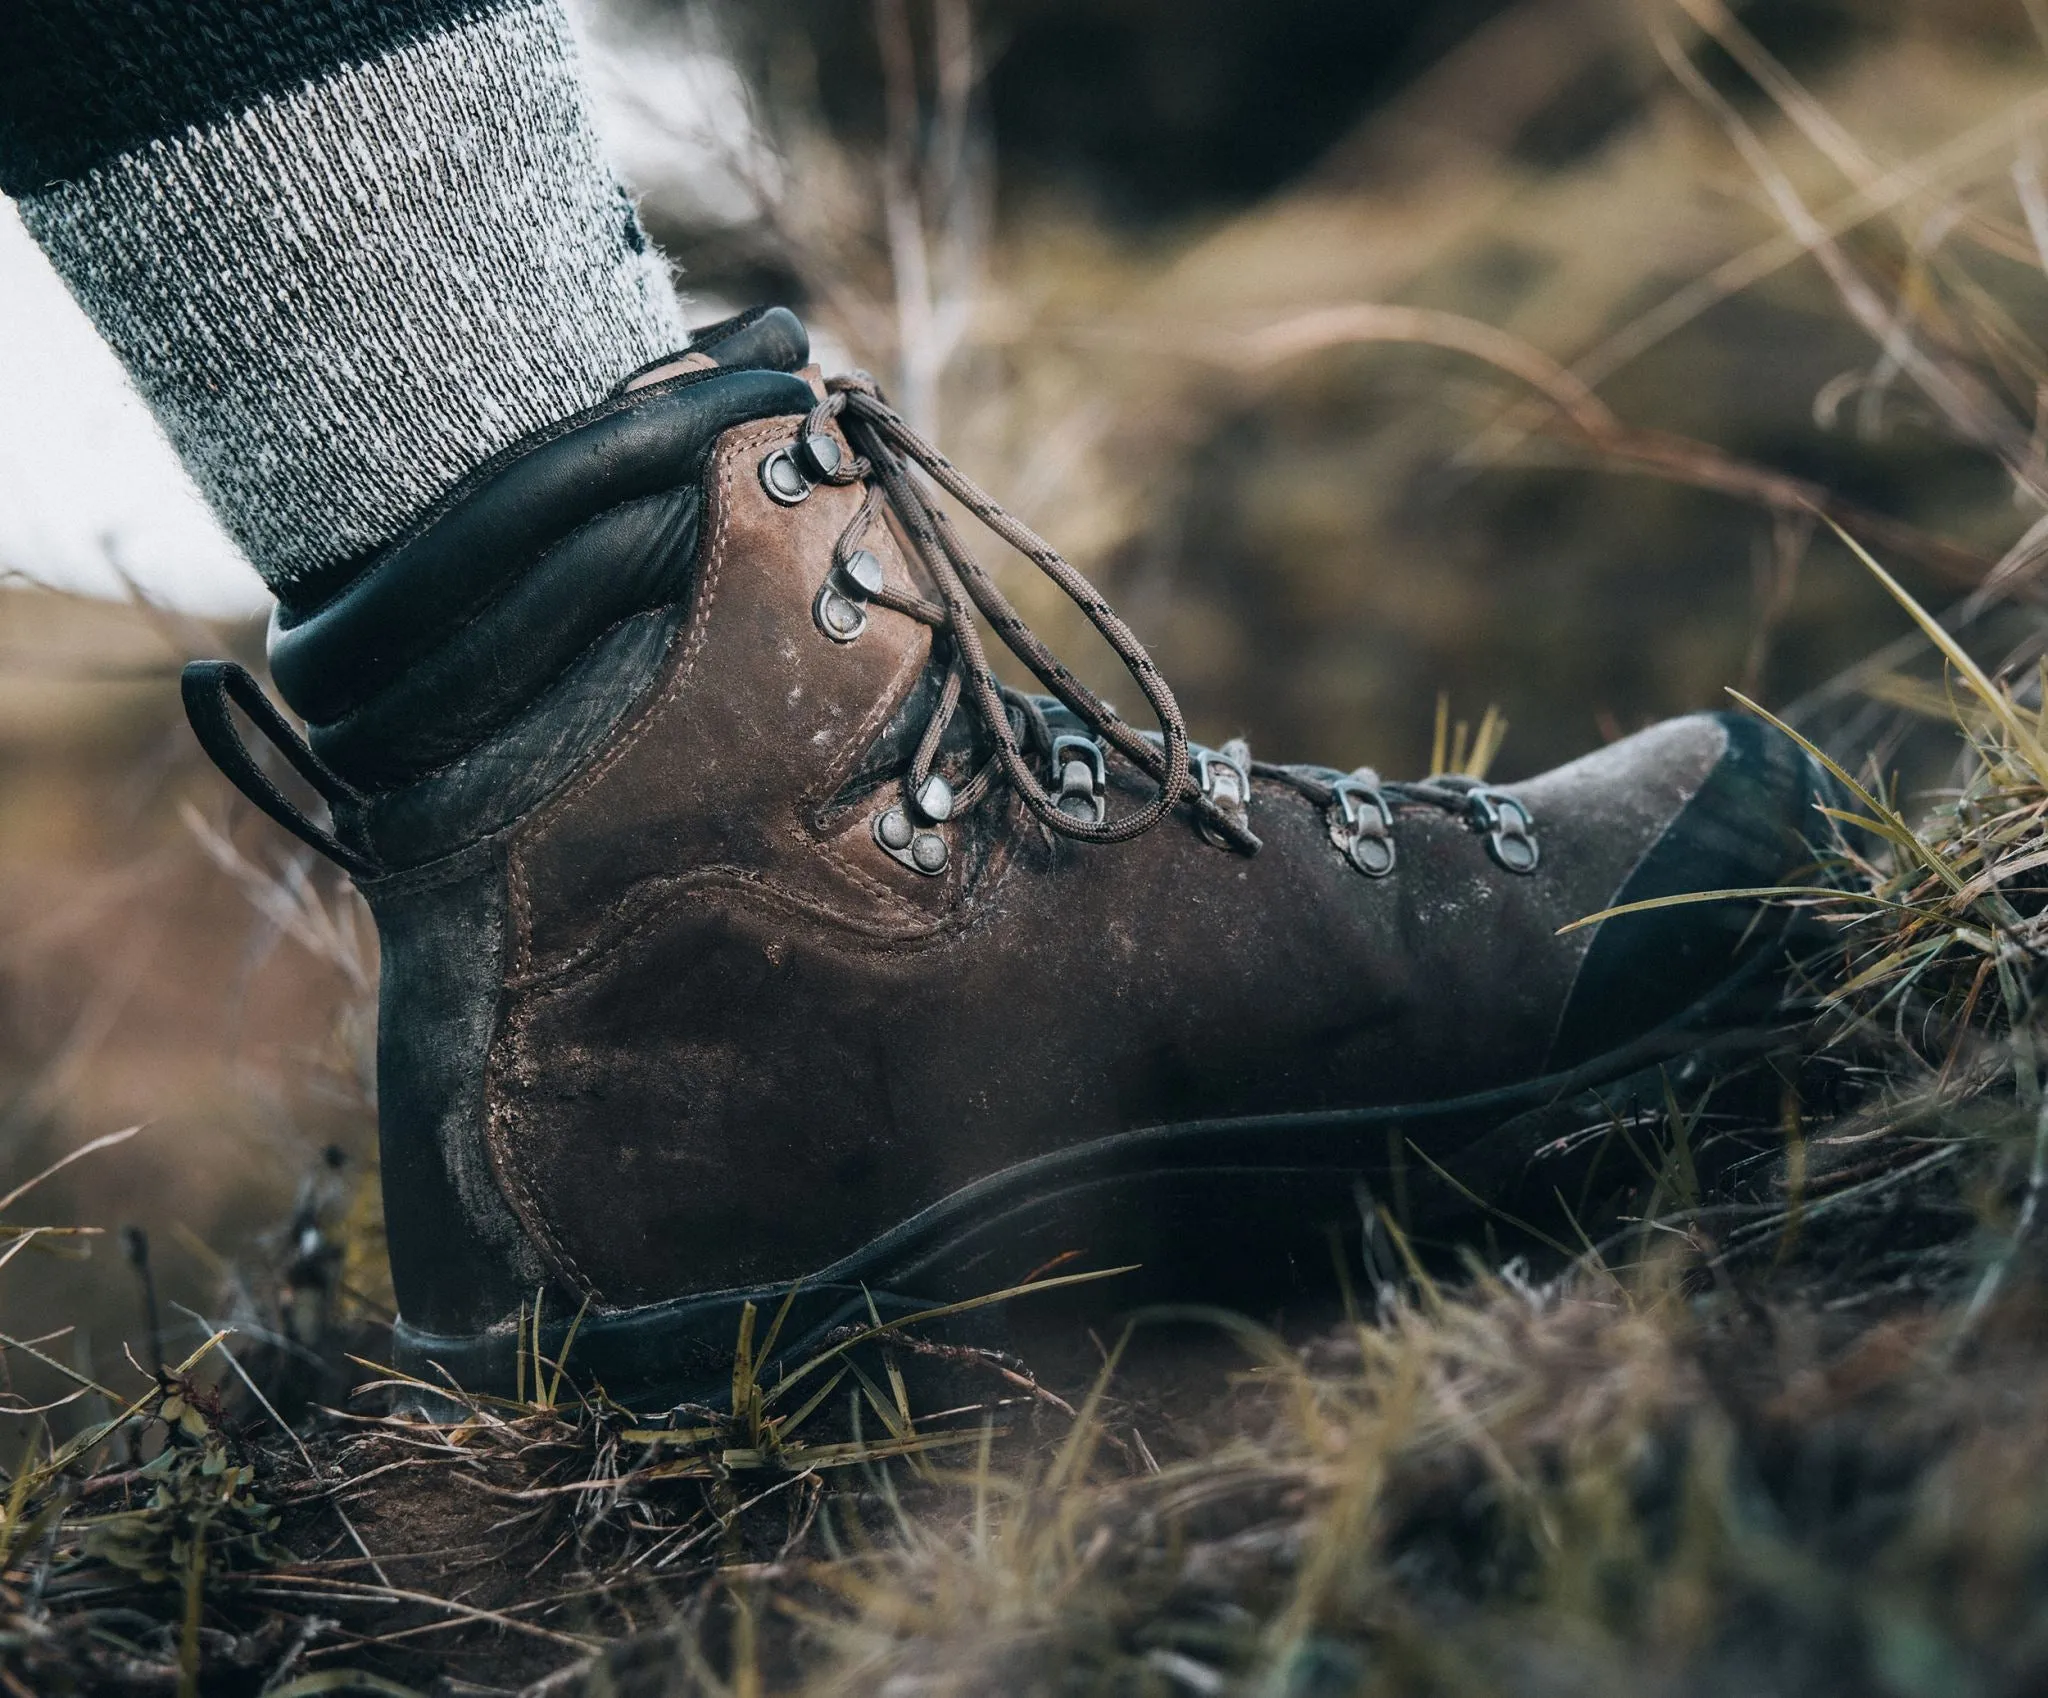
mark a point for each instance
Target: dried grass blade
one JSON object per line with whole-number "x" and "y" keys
{"x": 403, "y": 1595}
{"x": 1079, "y": 1445}
{"x": 880, "y": 1404}
{"x": 1754, "y": 893}
{"x": 2000, "y": 704}
{"x": 105, "y": 1142}
{"x": 392, "y": 1377}
{"x": 942, "y": 1312}
{"x": 70, "y": 1373}
{"x": 342, "y": 1680}
{"x": 775, "y": 1326}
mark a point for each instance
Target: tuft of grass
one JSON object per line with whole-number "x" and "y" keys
{"x": 176, "y": 1546}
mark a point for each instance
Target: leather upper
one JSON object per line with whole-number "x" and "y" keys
{"x": 661, "y": 1015}
{"x": 737, "y": 1037}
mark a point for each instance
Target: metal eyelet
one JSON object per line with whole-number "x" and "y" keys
{"x": 1362, "y": 825}
{"x": 1507, "y": 826}
{"x": 1082, "y": 777}
{"x": 841, "y": 606}
{"x": 819, "y": 457}
{"x": 901, "y": 839}
{"x": 840, "y": 617}
{"x": 783, "y": 478}
{"x": 1225, "y": 778}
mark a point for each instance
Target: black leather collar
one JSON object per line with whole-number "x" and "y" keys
{"x": 457, "y": 627}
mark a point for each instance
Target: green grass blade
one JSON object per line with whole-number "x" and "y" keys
{"x": 775, "y": 1326}
{"x": 562, "y": 1360}
{"x": 1755, "y": 893}
{"x": 1895, "y": 827}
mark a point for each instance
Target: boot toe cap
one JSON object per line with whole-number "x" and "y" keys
{"x": 1754, "y": 821}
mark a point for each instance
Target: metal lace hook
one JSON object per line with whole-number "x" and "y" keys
{"x": 1362, "y": 823}
{"x": 1508, "y": 827}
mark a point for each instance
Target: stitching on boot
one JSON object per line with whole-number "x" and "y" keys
{"x": 693, "y": 645}
{"x": 498, "y": 1106}
{"x": 499, "y": 1109}
{"x": 635, "y": 914}
{"x": 856, "y": 746}
{"x": 732, "y": 451}
{"x": 433, "y": 875}
{"x": 651, "y": 914}
{"x": 521, "y": 906}
{"x": 893, "y": 694}
{"x": 862, "y": 736}
{"x": 873, "y": 886}
{"x": 710, "y": 882}
{"x": 857, "y": 743}
{"x": 628, "y": 736}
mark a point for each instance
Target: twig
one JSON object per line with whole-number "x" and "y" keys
{"x": 1581, "y": 416}
{"x": 338, "y": 1590}
{"x": 1019, "y": 1377}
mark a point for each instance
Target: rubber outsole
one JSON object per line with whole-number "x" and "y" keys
{"x": 1209, "y": 1210}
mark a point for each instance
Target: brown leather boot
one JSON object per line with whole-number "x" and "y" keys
{"x": 740, "y": 929}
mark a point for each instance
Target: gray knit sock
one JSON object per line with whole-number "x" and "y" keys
{"x": 344, "y": 295}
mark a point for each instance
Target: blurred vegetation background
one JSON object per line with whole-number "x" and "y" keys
{"x": 1360, "y": 353}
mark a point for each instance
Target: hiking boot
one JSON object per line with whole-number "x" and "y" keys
{"x": 740, "y": 930}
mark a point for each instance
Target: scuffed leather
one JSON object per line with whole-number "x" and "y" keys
{"x": 660, "y": 1017}
{"x": 630, "y": 559}
{"x": 460, "y": 1259}
{"x": 517, "y": 769}
{"x": 738, "y": 1040}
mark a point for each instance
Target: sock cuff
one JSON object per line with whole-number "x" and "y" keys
{"x": 341, "y": 297}
{"x": 85, "y": 81}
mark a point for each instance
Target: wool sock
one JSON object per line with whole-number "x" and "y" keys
{"x": 347, "y": 249}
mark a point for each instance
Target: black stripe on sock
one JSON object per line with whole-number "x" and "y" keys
{"x": 84, "y": 81}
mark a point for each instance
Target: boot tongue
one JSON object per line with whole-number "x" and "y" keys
{"x": 759, "y": 339}
{"x": 674, "y": 366}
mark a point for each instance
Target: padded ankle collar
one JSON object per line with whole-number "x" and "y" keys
{"x": 459, "y": 625}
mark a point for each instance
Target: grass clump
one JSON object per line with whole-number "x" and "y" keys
{"x": 1773, "y": 1429}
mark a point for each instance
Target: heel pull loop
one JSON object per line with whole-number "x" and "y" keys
{"x": 209, "y": 686}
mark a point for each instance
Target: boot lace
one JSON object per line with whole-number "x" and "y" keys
{"x": 886, "y": 449}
